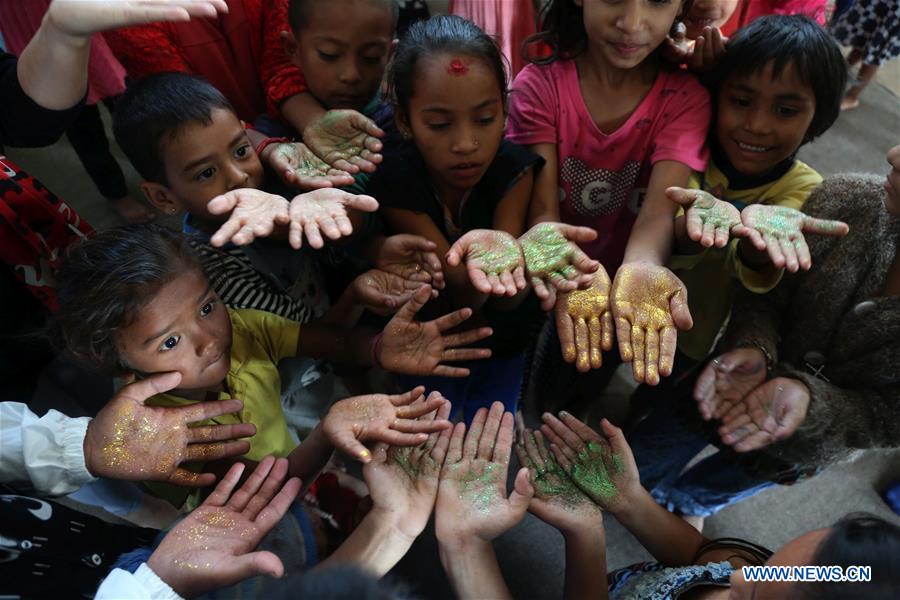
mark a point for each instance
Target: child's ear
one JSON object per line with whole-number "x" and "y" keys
{"x": 402, "y": 122}
{"x": 291, "y": 47}
{"x": 159, "y": 196}
{"x": 392, "y": 49}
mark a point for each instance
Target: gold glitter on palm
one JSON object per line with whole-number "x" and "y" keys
{"x": 584, "y": 323}
{"x": 648, "y": 303}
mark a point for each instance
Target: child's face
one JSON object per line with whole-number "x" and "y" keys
{"x": 762, "y": 121}
{"x": 708, "y": 13}
{"x": 204, "y": 161}
{"x": 184, "y": 328}
{"x": 343, "y": 51}
{"x": 456, "y": 118}
{"x": 625, "y": 32}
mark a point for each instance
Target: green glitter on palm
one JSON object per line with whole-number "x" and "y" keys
{"x": 483, "y": 487}
{"x": 715, "y": 212}
{"x": 501, "y": 255}
{"x": 591, "y": 472}
{"x": 546, "y": 250}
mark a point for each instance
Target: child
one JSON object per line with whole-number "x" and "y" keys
{"x": 454, "y": 173}
{"x": 616, "y": 129}
{"x": 777, "y": 87}
{"x": 135, "y": 301}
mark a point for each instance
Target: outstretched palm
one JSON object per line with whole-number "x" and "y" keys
{"x": 493, "y": 260}
{"x": 346, "y": 140}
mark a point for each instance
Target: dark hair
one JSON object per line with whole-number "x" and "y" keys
{"x": 562, "y": 29}
{"x": 789, "y": 40}
{"x": 437, "y": 35}
{"x": 342, "y": 582}
{"x": 155, "y": 109}
{"x": 298, "y": 12}
{"x": 105, "y": 280}
{"x": 859, "y": 539}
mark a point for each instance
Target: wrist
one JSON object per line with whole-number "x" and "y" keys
{"x": 630, "y": 503}
{"x": 88, "y": 449}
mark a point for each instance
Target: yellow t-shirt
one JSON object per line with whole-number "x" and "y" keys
{"x": 710, "y": 275}
{"x": 259, "y": 340}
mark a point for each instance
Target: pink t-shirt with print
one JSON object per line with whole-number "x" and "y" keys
{"x": 603, "y": 177}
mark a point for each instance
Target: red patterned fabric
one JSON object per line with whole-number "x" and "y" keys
{"x": 240, "y": 53}
{"x": 35, "y": 228}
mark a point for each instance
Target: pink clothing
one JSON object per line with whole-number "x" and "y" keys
{"x": 603, "y": 177}
{"x": 19, "y": 21}
{"x": 749, "y": 10}
{"x": 509, "y": 21}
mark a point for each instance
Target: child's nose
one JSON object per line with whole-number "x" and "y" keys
{"x": 350, "y": 72}
{"x": 757, "y": 121}
{"x": 465, "y": 142}
{"x": 237, "y": 177}
{"x": 630, "y": 20}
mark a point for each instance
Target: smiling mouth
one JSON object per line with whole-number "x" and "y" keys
{"x": 752, "y": 148}
{"x": 465, "y": 166}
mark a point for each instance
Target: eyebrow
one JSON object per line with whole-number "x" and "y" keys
{"x": 742, "y": 87}
{"x": 163, "y": 331}
{"x": 479, "y": 106}
{"x": 196, "y": 163}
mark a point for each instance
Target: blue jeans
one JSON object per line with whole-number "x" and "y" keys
{"x": 494, "y": 379}
{"x": 662, "y": 445}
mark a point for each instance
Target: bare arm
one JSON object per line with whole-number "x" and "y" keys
{"x": 653, "y": 231}
{"x": 545, "y": 198}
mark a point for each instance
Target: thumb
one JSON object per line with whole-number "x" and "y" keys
{"x": 363, "y": 123}
{"x": 222, "y": 204}
{"x": 155, "y": 384}
{"x": 255, "y": 563}
{"x": 411, "y": 242}
{"x": 362, "y": 202}
{"x": 825, "y": 227}
{"x": 347, "y": 443}
{"x": 408, "y": 311}
{"x": 616, "y": 438}
{"x": 681, "y": 313}
{"x": 522, "y": 492}
{"x": 681, "y": 196}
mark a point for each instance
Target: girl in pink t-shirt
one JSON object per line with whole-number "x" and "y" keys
{"x": 616, "y": 129}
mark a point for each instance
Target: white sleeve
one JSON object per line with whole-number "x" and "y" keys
{"x": 143, "y": 584}
{"x": 48, "y": 451}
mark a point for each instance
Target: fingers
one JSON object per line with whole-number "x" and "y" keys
{"x": 442, "y": 443}
{"x": 361, "y": 202}
{"x": 616, "y": 439}
{"x": 254, "y": 564}
{"x": 186, "y": 478}
{"x": 313, "y": 236}
{"x": 531, "y": 452}
{"x": 681, "y": 196}
{"x": 409, "y": 310}
{"x": 226, "y": 232}
{"x": 578, "y": 427}
{"x": 607, "y": 330}
{"x": 489, "y": 434}
{"x": 679, "y": 309}
{"x": 721, "y": 236}
{"x": 160, "y": 383}
{"x": 366, "y": 125}
{"x": 803, "y": 257}
{"x": 270, "y": 487}
{"x": 220, "y": 495}
{"x": 473, "y": 437}
{"x": 509, "y": 283}
{"x": 708, "y": 235}
{"x": 596, "y": 345}
{"x": 623, "y": 334}
{"x": 242, "y": 497}
{"x": 208, "y": 452}
{"x": 455, "y": 445}
{"x": 451, "y": 320}
{"x": 652, "y": 357}
{"x": 638, "y": 366}
{"x": 565, "y": 329}
{"x": 562, "y": 432}
{"x": 824, "y": 227}
{"x": 503, "y": 446}
{"x": 461, "y": 354}
{"x": 774, "y": 250}
{"x": 582, "y": 345}
{"x": 668, "y": 343}
{"x": 395, "y": 437}
{"x": 455, "y": 254}
{"x": 218, "y": 433}
{"x": 790, "y": 255}
{"x": 576, "y": 234}
{"x": 704, "y": 389}
{"x": 200, "y": 411}
{"x": 522, "y": 493}
{"x": 407, "y": 398}
{"x": 582, "y": 261}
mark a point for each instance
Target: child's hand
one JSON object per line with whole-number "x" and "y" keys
{"x": 411, "y": 257}
{"x": 254, "y": 213}
{"x": 709, "y": 47}
{"x": 771, "y": 412}
{"x": 493, "y": 259}
{"x": 677, "y": 49}
{"x": 554, "y": 262}
{"x": 779, "y": 230}
{"x": 346, "y": 140}
{"x": 132, "y": 441}
{"x": 584, "y": 323}
{"x": 727, "y": 379}
{"x": 557, "y": 500}
{"x": 648, "y": 303}
{"x": 298, "y": 166}
{"x": 383, "y": 293}
{"x": 325, "y": 211}
{"x": 710, "y": 221}
{"x": 403, "y": 481}
{"x": 472, "y": 505}
{"x": 604, "y": 469}
{"x": 82, "y": 18}
{"x": 418, "y": 348}
{"x": 381, "y": 418}
{"x": 212, "y": 547}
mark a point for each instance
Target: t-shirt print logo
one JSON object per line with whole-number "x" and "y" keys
{"x": 598, "y": 192}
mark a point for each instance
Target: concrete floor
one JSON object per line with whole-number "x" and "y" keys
{"x": 532, "y": 554}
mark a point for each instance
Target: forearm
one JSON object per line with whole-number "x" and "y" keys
{"x": 310, "y": 457}
{"x": 651, "y": 239}
{"x": 53, "y": 68}
{"x": 670, "y": 539}
{"x": 473, "y": 570}
{"x": 345, "y": 312}
{"x": 375, "y": 546}
{"x": 301, "y": 111}
{"x": 586, "y": 564}
{"x": 336, "y": 344}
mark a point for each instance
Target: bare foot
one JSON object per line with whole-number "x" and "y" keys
{"x": 849, "y": 103}
{"x": 131, "y": 210}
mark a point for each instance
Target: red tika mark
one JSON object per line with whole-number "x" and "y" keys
{"x": 457, "y": 67}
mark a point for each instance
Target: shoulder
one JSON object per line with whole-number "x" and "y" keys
{"x": 251, "y": 321}
{"x": 681, "y": 88}
{"x": 535, "y": 77}
{"x": 849, "y": 197}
